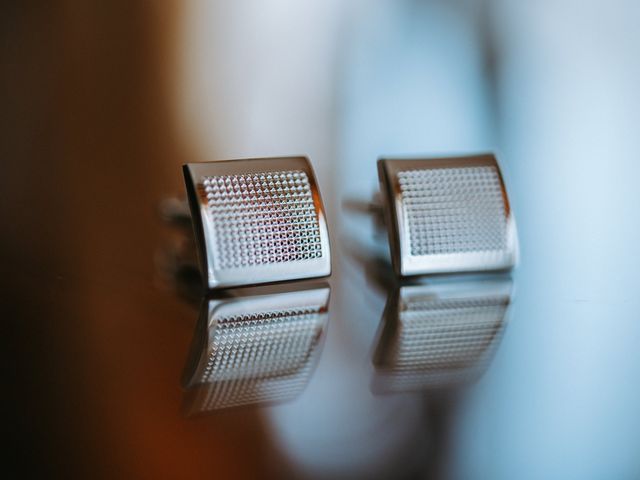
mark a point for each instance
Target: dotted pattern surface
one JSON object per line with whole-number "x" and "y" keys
{"x": 447, "y": 333}
{"x": 243, "y": 391}
{"x": 443, "y": 341}
{"x": 261, "y": 357}
{"x": 262, "y": 218}
{"x": 453, "y": 210}
{"x": 261, "y": 344}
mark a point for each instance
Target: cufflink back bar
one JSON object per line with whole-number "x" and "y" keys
{"x": 258, "y": 221}
{"x": 447, "y": 215}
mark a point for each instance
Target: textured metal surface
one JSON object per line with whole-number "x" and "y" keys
{"x": 262, "y": 343}
{"x": 447, "y": 215}
{"x": 263, "y": 218}
{"x": 255, "y": 349}
{"x": 453, "y": 210}
{"x": 440, "y": 335}
{"x": 258, "y": 221}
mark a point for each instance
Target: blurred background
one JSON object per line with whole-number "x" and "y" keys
{"x": 102, "y": 102}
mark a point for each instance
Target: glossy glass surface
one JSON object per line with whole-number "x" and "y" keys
{"x": 403, "y": 380}
{"x": 529, "y": 374}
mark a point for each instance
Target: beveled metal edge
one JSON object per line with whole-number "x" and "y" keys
{"x": 390, "y": 214}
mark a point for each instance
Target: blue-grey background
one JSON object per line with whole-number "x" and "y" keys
{"x": 104, "y": 101}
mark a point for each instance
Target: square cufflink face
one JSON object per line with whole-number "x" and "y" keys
{"x": 258, "y": 221}
{"x": 447, "y": 215}
{"x": 255, "y": 349}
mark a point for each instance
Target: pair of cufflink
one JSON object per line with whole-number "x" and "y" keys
{"x": 262, "y": 220}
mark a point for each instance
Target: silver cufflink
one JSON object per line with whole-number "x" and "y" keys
{"x": 447, "y": 215}
{"x": 257, "y": 221}
{"x": 259, "y": 348}
{"x": 439, "y": 336}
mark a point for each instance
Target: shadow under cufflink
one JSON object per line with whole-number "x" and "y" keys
{"x": 176, "y": 258}
{"x": 255, "y": 346}
{"x": 439, "y": 335}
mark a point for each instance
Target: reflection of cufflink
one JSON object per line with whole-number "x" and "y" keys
{"x": 254, "y": 349}
{"x": 258, "y": 221}
{"x": 447, "y": 215}
{"x": 439, "y": 336}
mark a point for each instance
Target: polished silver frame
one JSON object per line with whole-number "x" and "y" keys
{"x": 194, "y": 175}
{"x": 406, "y": 264}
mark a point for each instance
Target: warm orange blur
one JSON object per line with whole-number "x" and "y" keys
{"x": 89, "y": 147}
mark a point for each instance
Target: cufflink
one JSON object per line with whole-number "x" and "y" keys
{"x": 439, "y": 336}
{"x": 254, "y": 349}
{"x": 447, "y": 215}
{"x": 257, "y": 221}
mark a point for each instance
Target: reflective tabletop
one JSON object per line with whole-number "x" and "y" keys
{"x": 135, "y": 372}
{"x": 118, "y": 364}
